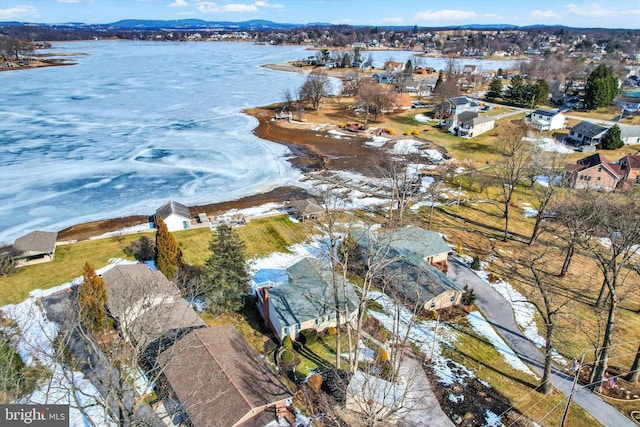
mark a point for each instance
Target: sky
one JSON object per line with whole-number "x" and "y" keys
{"x": 427, "y": 13}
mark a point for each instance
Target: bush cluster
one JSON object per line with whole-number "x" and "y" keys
{"x": 331, "y": 331}
{"x": 287, "y": 343}
{"x": 308, "y": 336}
{"x": 475, "y": 265}
{"x": 390, "y": 131}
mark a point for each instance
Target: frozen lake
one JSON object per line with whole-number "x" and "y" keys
{"x": 134, "y": 124}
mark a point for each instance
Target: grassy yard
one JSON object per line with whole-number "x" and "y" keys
{"x": 67, "y": 264}
{"x": 608, "y": 113}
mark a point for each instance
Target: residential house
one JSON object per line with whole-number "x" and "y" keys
{"x": 148, "y": 308}
{"x": 306, "y": 301}
{"x": 34, "y": 248}
{"x": 175, "y": 215}
{"x": 586, "y": 133}
{"x": 595, "y": 172}
{"x": 546, "y": 120}
{"x": 306, "y": 209}
{"x": 457, "y": 105}
{"x": 630, "y": 166}
{"x": 630, "y": 134}
{"x": 627, "y": 103}
{"x": 384, "y": 78}
{"x": 367, "y": 394}
{"x": 393, "y": 66}
{"x": 220, "y": 381}
{"x": 417, "y": 264}
{"x": 469, "y": 69}
{"x": 470, "y": 124}
{"x": 418, "y": 87}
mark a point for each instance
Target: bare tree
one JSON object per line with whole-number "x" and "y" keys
{"x": 548, "y": 164}
{"x": 515, "y": 156}
{"x": 634, "y": 372}
{"x": 315, "y": 88}
{"x": 375, "y": 98}
{"x": 402, "y": 174}
{"x": 552, "y": 304}
{"x": 616, "y": 258}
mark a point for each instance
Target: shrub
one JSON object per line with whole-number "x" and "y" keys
{"x": 315, "y": 382}
{"x": 493, "y": 278}
{"x": 331, "y": 331}
{"x": 469, "y": 296}
{"x": 287, "y": 356}
{"x": 416, "y": 132}
{"x": 308, "y": 336}
{"x": 460, "y": 249}
{"x": 287, "y": 343}
{"x": 408, "y": 132}
{"x": 475, "y": 265}
{"x": 381, "y": 355}
{"x": 342, "y": 125}
{"x": 390, "y": 131}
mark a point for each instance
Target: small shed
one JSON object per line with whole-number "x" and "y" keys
{"x": 306, "y": 209}
{"x": 34, "y": 248}
{"x": 176, "y": 215}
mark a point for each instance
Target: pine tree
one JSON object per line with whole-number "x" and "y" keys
{"x": 226, "y": 272}
{"x": 92, "y": 297}
{"x": 168, "y": 254}
{"x": 612, "y": 140}
{"x": 495, "y": 88}
{"x": 601, "y": 88}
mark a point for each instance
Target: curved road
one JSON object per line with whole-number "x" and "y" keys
{"x": 500, "y": 314}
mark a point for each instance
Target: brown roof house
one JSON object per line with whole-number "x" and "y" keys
{"x": 220, "y": 381}
{"x": 416, "y": 264}
{"x": 595, "y": 172}
{"x": 630, "y": 167}
{"x": 34, "y": 248}
{"x": 176, "y": 215}
{"x": 147, "y": 307}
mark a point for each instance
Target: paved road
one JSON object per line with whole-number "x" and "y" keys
{"x": 499, "y": 313}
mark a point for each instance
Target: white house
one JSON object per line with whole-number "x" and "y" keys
{"x": 176, "y": 215}
{"x": 630, "y": 134}
{"x": 470, "y": 124}
{"x": 546, "y": 120}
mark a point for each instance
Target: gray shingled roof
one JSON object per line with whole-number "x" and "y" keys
{"x": 588, "y": 129}
{"x": 408, "y": 271}
{"x": 173, "y": 207}
{"x": 309, "y": 293}
{"x": 628, "y": 131}
{"x": 34, "y": 244}
{"x": 219, "y": 378}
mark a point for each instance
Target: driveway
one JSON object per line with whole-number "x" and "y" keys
{"x": 499, "y": 313}
{"x": 424, "y": 408}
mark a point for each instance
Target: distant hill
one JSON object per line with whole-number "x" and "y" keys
{"x": 181, "y": 24}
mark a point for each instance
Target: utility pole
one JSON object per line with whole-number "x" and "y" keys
{"x": 573, "y": 387}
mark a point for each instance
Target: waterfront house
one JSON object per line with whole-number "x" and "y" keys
{"x": 34, "y": 248}
{"x": 175, "y": 215}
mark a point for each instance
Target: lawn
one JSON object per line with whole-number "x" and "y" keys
{"x": 609, "y": 113}
{"x": 67, "y": 264}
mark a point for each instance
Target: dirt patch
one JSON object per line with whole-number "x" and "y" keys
{"x": 468, "y": 404}
{"x": 618, "y": 388}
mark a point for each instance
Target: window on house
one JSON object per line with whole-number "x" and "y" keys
{"x": 599, "y": 178}
{"x": 286, "y": 330}
{"x": 600, "y": 169}
{"x": 433, "y": 304}
{"x": 453, "y": 298}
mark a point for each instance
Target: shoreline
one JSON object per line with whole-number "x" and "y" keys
{"x": 311, "y": 151}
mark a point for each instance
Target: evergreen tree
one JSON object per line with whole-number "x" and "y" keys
{"x": 438, "y": 82}
{"x": 92, "y": 297}
{"x": 516, "y": 92}
{"x": 495, "y": 88}
{"x": 408, "y": 68}
{"x": 227, "y": 278}
{"x": 541, "y": 90}
{"x": 168, "y": 254}
{"x": 612, "y": 140}
{"x": 601, "y": 88}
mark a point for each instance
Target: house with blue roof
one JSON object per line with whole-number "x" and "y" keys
{"x": 306, "y": 300}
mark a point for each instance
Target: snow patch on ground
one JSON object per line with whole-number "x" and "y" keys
{"x": 421, "y": 118}
{"x": 433, "y": 155}
{"x": 338, "y": 135}
{"x": 482, "y": 327}
{"x": 406, "y": 146}
{"x": 377, "y": 142}
{"x": 549, "y": 144}
{"x": 129, "y": 230}
{"x": 255, "y": 211}
{"x": 282, "y": 260}
{"x": 493, "y": 420}
{"x": 529, "y": 211}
